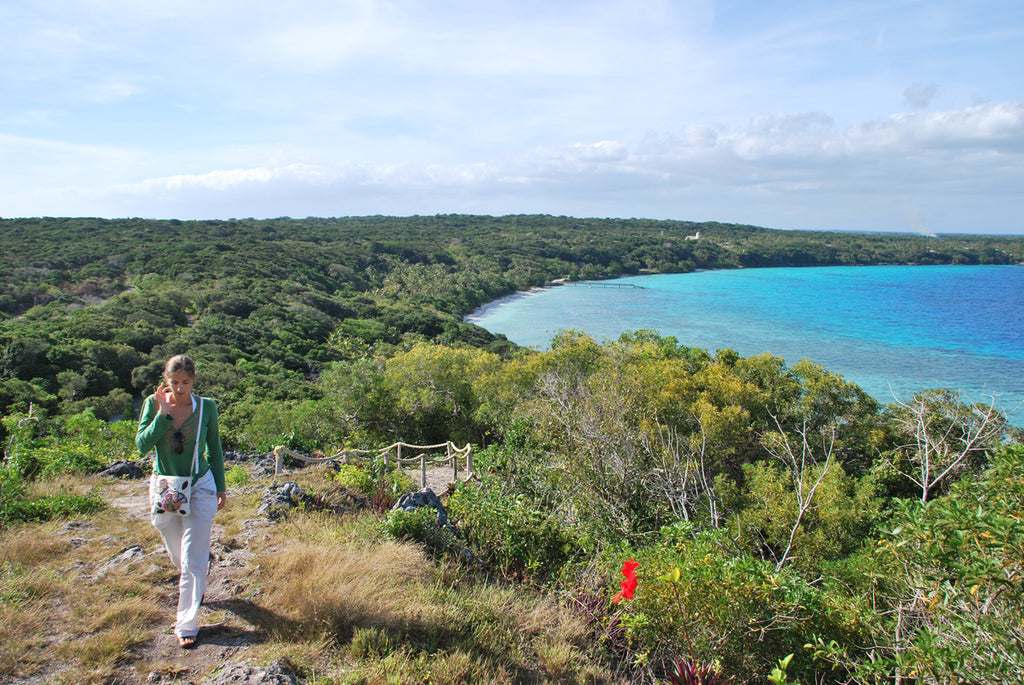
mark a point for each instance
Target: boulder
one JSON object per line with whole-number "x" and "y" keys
{"x": 124, "y": 469}
{"x": 280, "y": 672}
{"x": 278, "y": 500}
{"x": 424, "y": 498}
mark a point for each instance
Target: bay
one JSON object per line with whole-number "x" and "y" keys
{"x": 893, "y": 330}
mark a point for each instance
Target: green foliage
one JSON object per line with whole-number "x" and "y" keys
{"x": 840, "y": 518}
{"x": 45, "y": 448}
{"x": 431, "y": 387}
{"x": 356, "y": 478}
{"x": 372, "y": 479}
{"x": 695, "y": 598}
{"x": 299, "y": 425}
{"x": 77, "y": 322}
{"x": 49, "y": 447}
{"x": 14, "y": 509}
{"x": 516, "y": 537}
{"x": 961, "y": 585}
{"x": 237, "y": 476}
{"x": 421, "y": 525}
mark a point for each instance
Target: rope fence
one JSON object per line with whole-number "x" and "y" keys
{"x": 451, "y": 457}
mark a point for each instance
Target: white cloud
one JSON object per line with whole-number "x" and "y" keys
{"x": 605, "y": 107}
{"x": 786, "y": 172}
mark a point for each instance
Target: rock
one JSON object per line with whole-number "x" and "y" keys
{"x": 277, "y": 501}
{"x": 280, "y": 672}
{"x": 124, "y": 469}
{"x": 125, "y": 557}
{"x": 71, "y": 526}
{"x": 424, "y": 498}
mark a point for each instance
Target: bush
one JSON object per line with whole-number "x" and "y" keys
{"x": 382, "y": 485}
{"x": 80, "y": 443}
{"x": 236, "y": 476}
{"x": 421, "y": 525}
{"x": 956, "y": 583}
{"x": 696, "y": 600}
{"x": 511, "y": 533}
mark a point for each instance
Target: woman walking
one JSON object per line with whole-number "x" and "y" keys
{"x": 184, "y": 432}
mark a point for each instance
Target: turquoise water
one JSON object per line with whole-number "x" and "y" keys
{"x": 893, "y": 330}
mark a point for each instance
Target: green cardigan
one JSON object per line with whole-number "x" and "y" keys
{"x": 156, "y": 432}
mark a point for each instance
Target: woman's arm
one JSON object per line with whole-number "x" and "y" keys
{"x": 214, "y": 449}
{"x": 152, "y": 426}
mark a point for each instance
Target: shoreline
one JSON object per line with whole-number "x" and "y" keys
{"x": 486, "y": 309}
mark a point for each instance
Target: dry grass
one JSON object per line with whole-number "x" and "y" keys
{"x": 358, "y": 610}
{"x": 327, "y": 591}
{"x": 64, "y": 609}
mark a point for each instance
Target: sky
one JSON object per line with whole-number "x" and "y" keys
{"x": 895, "y": 115}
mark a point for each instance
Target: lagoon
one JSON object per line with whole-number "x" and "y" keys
{"x": 893, "y": 330}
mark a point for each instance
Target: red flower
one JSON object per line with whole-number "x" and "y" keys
{"x": 629, "y": 584}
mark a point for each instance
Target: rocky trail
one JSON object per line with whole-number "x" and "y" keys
{"x": 230, "y": 624}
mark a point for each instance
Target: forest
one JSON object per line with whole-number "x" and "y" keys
{"x": 771, "y": 521}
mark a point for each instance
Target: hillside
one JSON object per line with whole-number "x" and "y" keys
{"x": 91, "y": 307}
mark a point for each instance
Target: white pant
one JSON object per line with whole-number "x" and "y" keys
{"x": 187, "y": 539}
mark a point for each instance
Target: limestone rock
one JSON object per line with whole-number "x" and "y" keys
{"x": 280, "y": 672}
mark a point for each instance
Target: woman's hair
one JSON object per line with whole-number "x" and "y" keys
{"x": 179, "y": 363}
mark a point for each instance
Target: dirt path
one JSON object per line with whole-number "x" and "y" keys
{"x": 224, "y": 633}
{"x": 438, "y": 479}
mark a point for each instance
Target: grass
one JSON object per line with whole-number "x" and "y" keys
{"x": 59, "y": 610}
{"x": 328, "y": 591}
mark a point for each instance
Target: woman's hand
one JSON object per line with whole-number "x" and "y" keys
{"x": 222, "y": 499}
{"x": 164, "y": 397}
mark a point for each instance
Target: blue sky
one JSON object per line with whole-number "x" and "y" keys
{"x": 889, "y": 116}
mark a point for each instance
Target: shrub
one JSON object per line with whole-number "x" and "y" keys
{"x": 421, "y": 525}
{"x": 698, "y": 600}
{"x": 957, "y": 583}
{"x": 517, "y": 537}
{"x": 236, "y": 476}
{"x": 383, "y": 485}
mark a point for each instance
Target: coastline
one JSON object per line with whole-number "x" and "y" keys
{"x": 483, "y": 310}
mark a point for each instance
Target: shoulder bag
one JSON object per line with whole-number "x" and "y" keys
{"x": 172, "y": 495}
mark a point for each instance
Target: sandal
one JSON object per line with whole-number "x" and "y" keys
{"x": 187, "y": 641}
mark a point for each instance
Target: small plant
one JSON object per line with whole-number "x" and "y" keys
{"x": 778, "y": 674}
{"x": 237, "y": 476}
{"x": 380, "y": 484}
{"x": 687, "y": 672}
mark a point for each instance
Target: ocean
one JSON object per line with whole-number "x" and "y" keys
{"x": 893, "y": 330}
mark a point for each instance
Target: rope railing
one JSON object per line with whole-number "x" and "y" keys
{"x": 452, "y": 457}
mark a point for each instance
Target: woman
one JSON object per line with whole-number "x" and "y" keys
{"x": 169, "y": 424}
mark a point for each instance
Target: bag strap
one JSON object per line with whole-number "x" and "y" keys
{"x": 195, "y": 453}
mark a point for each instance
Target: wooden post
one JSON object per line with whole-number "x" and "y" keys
{"x": 423, "y": 470}
{"x": 454, "y": 461}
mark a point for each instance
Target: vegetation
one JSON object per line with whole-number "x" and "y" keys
{"x": 783, "y": 525}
